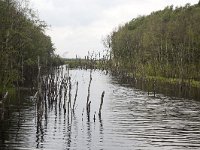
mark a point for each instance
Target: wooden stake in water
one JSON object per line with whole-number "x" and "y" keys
{"x": 88, "y": 97}
{"x": 75, "y": 95}
{"x": 65, "y": 94}
{"x": 39, "y": 79}
{"x": 70, "y": 88}
{"x": 154, "y": 88}
{"x": 102, "y": 96}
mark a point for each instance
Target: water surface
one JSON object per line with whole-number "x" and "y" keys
{"x": 130, "y": 119}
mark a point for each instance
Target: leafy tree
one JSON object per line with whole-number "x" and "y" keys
{"x": 22, "y": 40}
{"x": 165, "y": 43}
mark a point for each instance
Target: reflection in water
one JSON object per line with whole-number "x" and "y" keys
{"x": 130, "y": 119}
{"x": 101, "y": 129}
{"x": 39, "y": 126}
{"x": 89, "y": 136}
{"x": 69, "y": 125}
{"x": 18, "y": 126}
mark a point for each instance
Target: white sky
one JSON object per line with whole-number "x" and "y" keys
{"x": 78, "y": 26}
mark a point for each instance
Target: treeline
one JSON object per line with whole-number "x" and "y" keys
{"x": 22, "y": 42}
{"x": 163, "y": 44}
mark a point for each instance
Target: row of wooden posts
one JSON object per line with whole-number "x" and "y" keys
{"x": 57, "y": 87}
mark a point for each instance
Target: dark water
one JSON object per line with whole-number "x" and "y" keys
{"x": 130, "y": 120}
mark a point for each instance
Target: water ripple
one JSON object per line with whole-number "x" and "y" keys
{"x": 130, "y": 120}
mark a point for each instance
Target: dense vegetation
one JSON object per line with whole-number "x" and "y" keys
{"x": 22, "y": 42}
{"x": 164, "y": 44}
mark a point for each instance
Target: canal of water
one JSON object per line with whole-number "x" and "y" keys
{"x": 130, "y": 119}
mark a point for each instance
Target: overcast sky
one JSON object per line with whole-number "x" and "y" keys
{"x": 78, "y": 26}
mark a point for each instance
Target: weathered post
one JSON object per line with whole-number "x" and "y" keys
{"x": 75, "y": 96}
{"x": 70, "y": 88}
{"x": 39, "y": 79}
{"x": 65, "y": 94}
{"x": 102, "y": 96}
{"x": 88, "y": 97}
{"x": 154, "y": 88}
{"x": 3, "y": 107}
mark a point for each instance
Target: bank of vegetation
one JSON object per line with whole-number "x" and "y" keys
{"x": 159, "y": 52}
{"x": 22, "y": 43}
{"x": 88, "y": 63}
{"x": 164, "y": 46}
